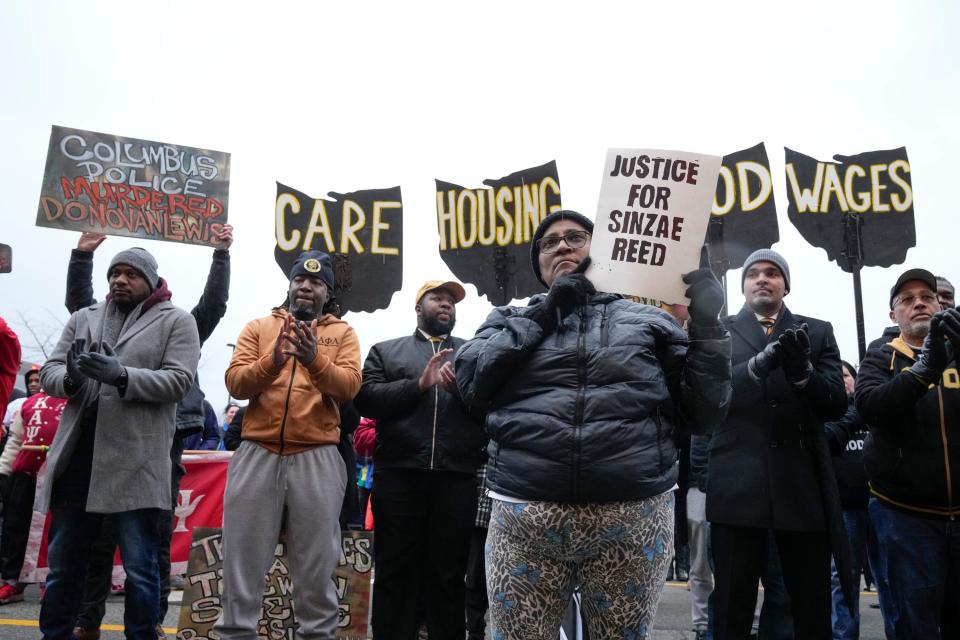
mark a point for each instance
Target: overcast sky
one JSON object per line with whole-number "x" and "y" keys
{"x": 344, "y": 96}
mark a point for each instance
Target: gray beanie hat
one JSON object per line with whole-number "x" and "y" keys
{"x": 565, "y": 214}
{"x": 141, "y": 260}
{"x": 766, "y": 255}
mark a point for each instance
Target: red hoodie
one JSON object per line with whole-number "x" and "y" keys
{"x": 9, "y": 362}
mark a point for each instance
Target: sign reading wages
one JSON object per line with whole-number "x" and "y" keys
{"x": 137, "y": 188}
{"x": 361, "y": 230}
{"x": 485, "y": 233}
{"x": 651, "y": 221}
{"x": 875, "y": 186}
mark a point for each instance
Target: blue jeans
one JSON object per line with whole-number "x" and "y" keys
{"x": 846, "y": 623}
{"x": 72, "y": 534}
{"x": 921, "y": 557}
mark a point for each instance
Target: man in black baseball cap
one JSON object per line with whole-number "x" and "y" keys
{"x": 908, "y": 391}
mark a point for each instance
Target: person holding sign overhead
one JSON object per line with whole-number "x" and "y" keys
{"x": 583, "y": 391}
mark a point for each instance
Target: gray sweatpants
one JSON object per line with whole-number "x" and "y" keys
{"x": 259, "y": 484}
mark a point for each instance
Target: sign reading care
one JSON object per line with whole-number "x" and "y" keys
{"x": 485, "y": 233}
{"x": 651, "y": 221}
{"x": 361, "y": 230}
{"x": 136, "y": 188}
{"x": 874, "y": 185}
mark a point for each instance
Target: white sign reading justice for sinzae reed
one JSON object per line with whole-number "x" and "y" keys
{"x": 651, "y": 221}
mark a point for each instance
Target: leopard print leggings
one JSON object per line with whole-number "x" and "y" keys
{"x": 537, "y": 552}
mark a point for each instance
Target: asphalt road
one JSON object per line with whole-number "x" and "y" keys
{"x": 19, "y": 620}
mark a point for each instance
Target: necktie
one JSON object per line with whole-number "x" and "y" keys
{"x": 767, "y": 325}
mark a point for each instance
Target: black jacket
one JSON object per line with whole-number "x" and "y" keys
{"x": 846, "y": 437}
{"x": 417, "y": 429}
{"x": 587, "y": 413}
{"x": 769, "y": 462}
{"x": 208, "y": 312}
{"x": 764, "y": 468}
{"x": 912, "y": 454}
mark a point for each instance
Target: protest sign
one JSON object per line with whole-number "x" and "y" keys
{"x": 361, "y": 230}
{"x": 651, "y": 221}
{"x": 201, "y": 607}
{"x": 6, "y": 258}
{"x": 859, "y": 208}
{"x": 744, "y": 214}
{"x": 136, "y": 188}
{"x": 485, "y": 233}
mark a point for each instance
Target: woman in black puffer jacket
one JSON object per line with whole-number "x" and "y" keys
{"x": 583, "y": 392}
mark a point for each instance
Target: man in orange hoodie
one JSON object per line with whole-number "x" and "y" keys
{"x": 296, "y": 367}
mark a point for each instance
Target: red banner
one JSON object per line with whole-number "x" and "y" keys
{"x": 199, "y": 504}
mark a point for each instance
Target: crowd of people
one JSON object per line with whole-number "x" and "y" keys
{"x": 585, "y": 443}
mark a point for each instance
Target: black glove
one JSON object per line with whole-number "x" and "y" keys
{"x": 950, "y": 323}
{"x": 936, "y": 356}
{"x": 104, "y": 367}
{"x": 565, "y": 294}
{"x": 766, "y": 361}
{"x": 75, "y": 377}
{"x": 706, "y": 296}
{"x": 795, "y": 344}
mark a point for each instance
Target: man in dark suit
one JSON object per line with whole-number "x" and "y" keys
{"x": 769, "y": 463}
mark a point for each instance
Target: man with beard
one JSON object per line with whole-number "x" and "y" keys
{"x": 907, "y": 391}
{"x": 296, "y": 367}
{"x": 123, "y": 366}
{"x": 429, "y": 446}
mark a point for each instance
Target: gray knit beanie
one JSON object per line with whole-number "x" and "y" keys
{"x": 141, "y": 260}
{"x": 566, "y": 214}
{"x": 766, "y": 255}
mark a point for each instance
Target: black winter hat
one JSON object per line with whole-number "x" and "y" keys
{"x": 316, "y": 264}
{"x": 565, "y": 214}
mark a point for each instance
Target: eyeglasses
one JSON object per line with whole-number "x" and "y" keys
{"x": 574, "y": 240}
{"x": 925, "y": 298}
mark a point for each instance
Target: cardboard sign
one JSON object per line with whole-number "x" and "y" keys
{"x": 485, "y": 233}
{"x": 361, "y": 230}
{"x": 651, "y": 221}
{"x": 6, "y": 258}
{"x": 744, "y": 214}
{"x": 872, "y": 189}
{"x": 136, "y": 188}
{"x": 201, "y": 608}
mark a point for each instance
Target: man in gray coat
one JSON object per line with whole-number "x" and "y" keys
{"x": 123, "y": 364}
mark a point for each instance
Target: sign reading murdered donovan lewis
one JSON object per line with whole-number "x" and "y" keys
{"x": 363, "y": 233}
{"x": 201, "y": 607}
{"x": 651, "y": 221}
{"x": 136, "y": 188}
{"x": 485, "y": 233}
{"x": 744, "y": 214}
{"x": 874, "y": 186}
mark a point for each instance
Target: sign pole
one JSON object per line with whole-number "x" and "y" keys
{"x": 853, "y": 256}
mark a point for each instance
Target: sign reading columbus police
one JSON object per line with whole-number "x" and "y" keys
{"x": 874, "y": 185}
{"x": 485, "y": 233}
{"x": 651, "y": 221}
{"x": 361, "y": 230}
{"x": 136, "y": 188}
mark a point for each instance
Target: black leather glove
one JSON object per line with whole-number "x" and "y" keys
{"x": 766, "y": 361}
{"x": 950, "y": 323}
{"x": 930, "y": 366}
{"x": 566, "y": 293}
{"x": 706, "y": 296}
{"x": 75, "y": 377}
{"x": 795, "y": 344}
{"x": 571, "y": 290}
{"x": 104, "y": 367}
